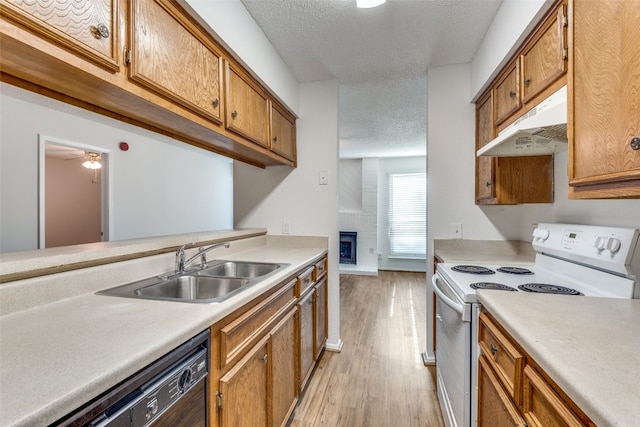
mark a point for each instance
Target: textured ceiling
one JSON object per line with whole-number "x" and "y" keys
{"x": 380, "y": 57}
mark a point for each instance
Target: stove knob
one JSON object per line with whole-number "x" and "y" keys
{"x": 613, "y": 245}
{"x": 541, "y": 234}
{"x": 600, "y": 243}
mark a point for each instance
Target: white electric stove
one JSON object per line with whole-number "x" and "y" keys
{"x": 572, "y": 261}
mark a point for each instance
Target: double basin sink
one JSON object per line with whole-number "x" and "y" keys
{"x": 216, "y": 282}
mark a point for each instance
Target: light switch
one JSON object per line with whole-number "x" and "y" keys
{"x": 323, "y": 177}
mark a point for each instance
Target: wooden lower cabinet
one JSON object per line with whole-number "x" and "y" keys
{"x": 244, "y": 390}
{"x": 284, "y": 382}
{"x": 495, "y": 407}
{"x": 543, "y": 403}
{"x": 320, "y": 317}
{"x": 542, "y": 406}
{"x": 263, "y": 354}
{"x": 306, "y": 337}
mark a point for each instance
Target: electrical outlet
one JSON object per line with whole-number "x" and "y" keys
{"x": 286, "y": 226}
{"x": 323, "y": 178}
{"x": 456, "y": 230}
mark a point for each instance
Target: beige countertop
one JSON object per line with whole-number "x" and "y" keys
{"x": 484, "y": 251}
{"x": 589, "y": 346}
{"x": 56, "y": 356}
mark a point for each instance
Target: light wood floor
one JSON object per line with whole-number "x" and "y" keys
{"x": 378, "y": 379}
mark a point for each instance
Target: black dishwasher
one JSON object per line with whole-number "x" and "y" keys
{"x": 169, "y": 392}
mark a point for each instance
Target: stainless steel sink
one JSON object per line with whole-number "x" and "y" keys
{"x": 217, "y": 282}
{"x": 194, "y": 288}
{"x": 238, "y": 269}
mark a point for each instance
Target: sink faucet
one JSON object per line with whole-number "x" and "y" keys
{"x": 181, "y": 263}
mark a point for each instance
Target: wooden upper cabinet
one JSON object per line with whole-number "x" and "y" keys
{"x": 168, "y": 58}
{"x": 283, "y": 133}
{"x": 544, "y": 58}
{"x": 484, "y": 165}
{"x": 87, "y": 28}
{"x": 246, "y": 107}
{"x": 506, "y": 93}
{"x": 604, "y": 100}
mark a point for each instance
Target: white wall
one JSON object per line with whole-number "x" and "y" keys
{"x": 235, "y": 28}
{"x": 160, "y": 186}
{"x": 266, "y": 197}
{"x": 389, "y": 166}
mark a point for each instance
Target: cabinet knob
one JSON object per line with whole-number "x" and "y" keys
{"x": 512, "y": 94}
{"x": 264, "y": 358}
{"x": 527, "y": 82}
{"x": 275, "y": 139}
{"x": 635, "y": 143}
{"x": 488, "y": 184}
{"x": 494, "y": 350}
{"x": 216, "y": 102}
{"x": 100, "y": 31}
{"x": 234, "y": 114}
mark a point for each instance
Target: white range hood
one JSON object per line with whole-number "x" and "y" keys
{"x": 541, "y": 131}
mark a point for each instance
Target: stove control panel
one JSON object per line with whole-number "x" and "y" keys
{"x": 609, "y": 248}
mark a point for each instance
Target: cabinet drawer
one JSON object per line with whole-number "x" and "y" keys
{"x": 320, "y": 270}
{"x": 542, "y": 407}
{"x": 239, "y": 334}
{"x": 505, "y": 359}
{"x": 305, "y": 281}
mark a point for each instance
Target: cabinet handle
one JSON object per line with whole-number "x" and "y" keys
{"x": 488, "y": 184}
{"x": 527, "y": 82}
{"x": 635, "y": 143}
{"x": 100, "y": 31}
{"x": 512, "y": 94}
{"x": 216, "y": 102}
{"x": 494, "y": 350}
{"x": 234, "y": 114}
{"x": 264, "y": 358}
{"x": 275, "y": 139}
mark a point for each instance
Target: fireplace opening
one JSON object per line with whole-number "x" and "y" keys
{"x": 348, "y": 247}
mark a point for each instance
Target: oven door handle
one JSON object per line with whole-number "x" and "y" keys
{"x": 459, "y": 308}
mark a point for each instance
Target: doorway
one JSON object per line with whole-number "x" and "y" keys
{"x": 73, "y": 193}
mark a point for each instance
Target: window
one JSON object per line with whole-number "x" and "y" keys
{"x": 408, "y": 215}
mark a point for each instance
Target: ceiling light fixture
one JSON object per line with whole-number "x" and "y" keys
{"x": 92, "y": 160}
{"x": 365, "y": 4}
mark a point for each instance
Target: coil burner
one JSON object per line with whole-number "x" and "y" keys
{"x": 515, "y": 270}
{"x": 473, "y": 269}
{"x": 544, "y": 288}
{"x": 491, "y": 285}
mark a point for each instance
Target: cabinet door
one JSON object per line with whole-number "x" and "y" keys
{"x": 544, "y": 59}
{"x": 87, "y": 28}
{"x": 283, "y": 369}
{"x": 604, "y": 100}
{"x": 244, "y": 390}
{"x": 306, "y": 339}
{"x": 506, "y": 94}
{"x": 320, "y": 317}
{"x": 542, "y": 407}
{"x": 168, "y": 58}
{"x": 484, "y": 165}
{"x": 283, "y": 134}
{"x": 495, "y": 408}
{"x": 246, "y": 109}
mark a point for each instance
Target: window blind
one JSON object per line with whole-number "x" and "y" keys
{"x": 408, "y": 215}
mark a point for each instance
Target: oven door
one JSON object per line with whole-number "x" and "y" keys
{"x": 453, "y": 354}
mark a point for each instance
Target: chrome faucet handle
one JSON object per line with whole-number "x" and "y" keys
{"x": 180, "y": 256}
{"x": 202, "y": 251}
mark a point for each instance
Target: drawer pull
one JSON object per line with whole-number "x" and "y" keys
{"x": 494, "y": 350}
{"x": 512, "y": 94}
